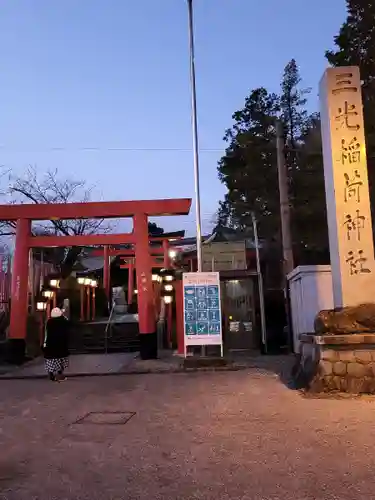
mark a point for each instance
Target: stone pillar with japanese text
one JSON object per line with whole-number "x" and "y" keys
{"x": 347, "y": 189}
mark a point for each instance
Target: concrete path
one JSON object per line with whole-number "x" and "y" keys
{"x": 130, "y": 363}
{"x": 79, "y": 364}
{"x": 229, "y": 435}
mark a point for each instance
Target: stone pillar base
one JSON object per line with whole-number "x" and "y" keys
{"x": 332, "y": 363}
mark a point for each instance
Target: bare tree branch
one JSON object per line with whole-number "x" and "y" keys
{"x": 50, "y": 188}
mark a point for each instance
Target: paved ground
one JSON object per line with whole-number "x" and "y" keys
{"x": 79, "y": 364}
{"x": 228, "y": 435}
{"x": 104, "y": 364}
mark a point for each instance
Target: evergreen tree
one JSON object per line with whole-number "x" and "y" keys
{"x": 303, "y": 156}
{"x": 309, "y": 216}
{"x": 248, "y": 168}
{"x": 355, "y": 46}
{"x": 293, "y": 101}
{"x": 225, "y": 216}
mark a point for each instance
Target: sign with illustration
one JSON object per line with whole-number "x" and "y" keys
{"x": 202, "y": 309}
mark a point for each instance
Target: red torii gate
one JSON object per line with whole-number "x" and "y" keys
{"x": 138, "y": 210}
{"x": 129, "y": 255}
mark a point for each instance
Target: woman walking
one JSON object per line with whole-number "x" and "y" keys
{"x": 56, "y": 345}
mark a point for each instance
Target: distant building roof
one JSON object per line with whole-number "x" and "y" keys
{"x": 186, "y": 245}
{"x": 219, "y": 234}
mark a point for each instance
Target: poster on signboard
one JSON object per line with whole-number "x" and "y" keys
{"x": 202, "y": 309}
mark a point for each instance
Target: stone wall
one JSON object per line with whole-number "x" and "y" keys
{"x": 344, "y": 363}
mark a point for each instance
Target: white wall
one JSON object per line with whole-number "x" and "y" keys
{"x": 310, "y": 292}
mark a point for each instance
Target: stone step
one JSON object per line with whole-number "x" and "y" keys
{"x": 91, "y": 337}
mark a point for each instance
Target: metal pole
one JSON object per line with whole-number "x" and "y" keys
{"x": 194, "y": 125}
{"x": 195, "y": 136}
{"x": 260, "y": 285}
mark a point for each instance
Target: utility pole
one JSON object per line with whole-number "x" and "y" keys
{"x": 288, "y": 261}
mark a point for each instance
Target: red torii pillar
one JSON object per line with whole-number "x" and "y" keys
{"x": 179, "y": 295}
{"x": 20, "y": 272}
{"x": 106, "y": 272}
{"x": 130, "y": 281}
{"x": 168, "y": 307}
{"x": 19, "y": 291}
{"x": 147, "y": 323}
{"x": 167, "y": 259}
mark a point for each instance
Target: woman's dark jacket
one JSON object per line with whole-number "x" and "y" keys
{"x": 57, "y": 342}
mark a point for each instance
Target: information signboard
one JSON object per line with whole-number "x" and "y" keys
{"x": 202, "y": 309}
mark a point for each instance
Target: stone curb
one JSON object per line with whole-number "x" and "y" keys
{"x": 132, "y": 372}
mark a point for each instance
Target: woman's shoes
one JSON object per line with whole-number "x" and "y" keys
{"x": 57, "y": 378}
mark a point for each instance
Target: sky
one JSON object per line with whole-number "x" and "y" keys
{"x": 99, "y": 89}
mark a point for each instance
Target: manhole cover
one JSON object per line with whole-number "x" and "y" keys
{"x": 106, "y": 418}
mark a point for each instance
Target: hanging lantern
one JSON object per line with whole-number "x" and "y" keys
{"x": 48, "y": 294}
{"x": 41, "y": 306}
{"x": 167, "y": 292}
{"x": 54, "y": 283}
{"x": 167, "y": 274}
